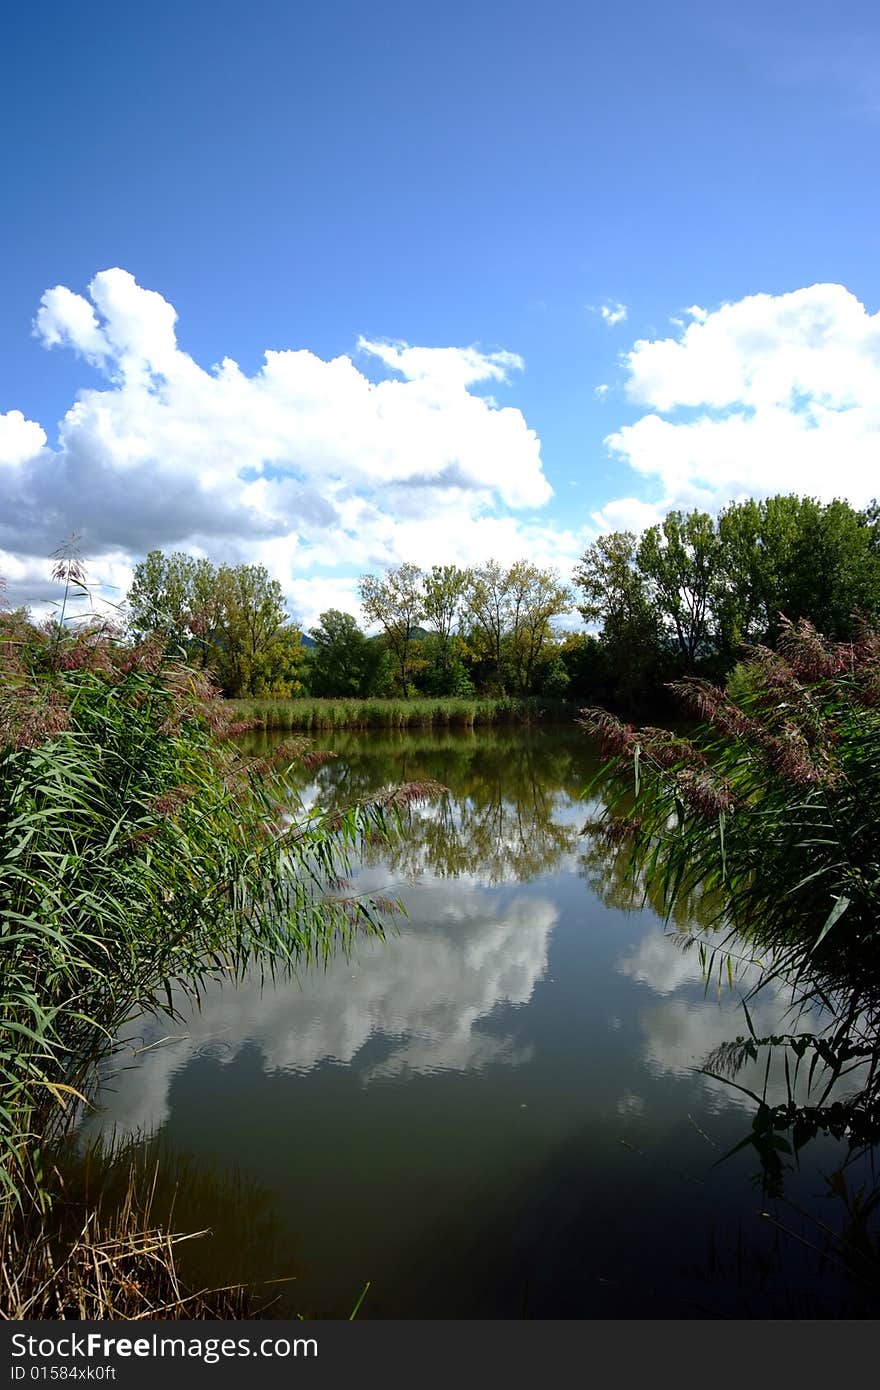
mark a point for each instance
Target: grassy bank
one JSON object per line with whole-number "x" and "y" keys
{"x": 306, "y": 715}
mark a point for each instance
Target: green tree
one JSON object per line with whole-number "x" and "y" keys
{"x": 511, "y": 612}
{"x": 256, "y": 643}
{"x": 161, "y": 598}
{"x": 231, "y": 620}
{"x": 344, "y": 661}
{"x": 831, "y": 570}
{"x": 395, "y": 601}
{"x": 617, "y": 598}
{"x": 279, "y": 666}
{"x": 681, "y": 563}
{"x": 615, "y": 592}
{"x": 797, "y": 557}
{"x": 445, "y": 592}
{"x": 536, "y": 598}
{"x": 488, "y": 612}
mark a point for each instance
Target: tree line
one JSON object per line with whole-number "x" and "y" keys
{"x": 444, "y": 631}
{"x": 684, "y": 597}
{"x": 690, "y": 594}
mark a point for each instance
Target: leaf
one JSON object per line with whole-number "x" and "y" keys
{"x": 751, "y": 1026}
{"x": 59, "y": 1087}
{"x": 837, "y": 911}
{"x": 356, "y": 1309}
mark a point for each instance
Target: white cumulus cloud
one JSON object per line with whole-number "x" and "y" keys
{"x": 772, "y": 393}
{"x": 307, "y": 464}
{"x": 20, "y": 439}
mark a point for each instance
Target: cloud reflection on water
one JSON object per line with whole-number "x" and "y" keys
{"x": 461, "y": 953}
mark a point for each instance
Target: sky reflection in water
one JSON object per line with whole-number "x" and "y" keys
{"x": 496, "y": 1109}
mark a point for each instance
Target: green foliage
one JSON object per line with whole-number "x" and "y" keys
{"x": 774, "y": 802}
{"x": 624, "y": 664}
{"x": 687, "y": 596}
{"x": 229, "y": 619}
{"x": 763, "y": 826}
{"x": 139, "y": 854}
{"x": 797, "y": 557}
{"x": 445, "y": 592}
{"x": 552, "y": 677}
{"x": 490, "y": 629}
{"x": 511, "y": 613}
{"x": 306, "y": 715}
{"x": 344, "y": 662}
{"x": 162, "y": 599}
{"x": 257, "y": 651}
{"x": 680, "y": 562}
{"x": 396, "y": 603}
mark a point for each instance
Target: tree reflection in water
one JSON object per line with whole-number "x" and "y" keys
{"x": 500, "y": 818}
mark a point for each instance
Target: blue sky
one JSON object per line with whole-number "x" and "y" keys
{"x": 485, "y": 176}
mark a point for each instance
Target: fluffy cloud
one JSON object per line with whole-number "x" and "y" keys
{"x": 20, "y": 439}
{"x": 627, "y": 514}
{"x": 306, "y": 464}
{"x": 773, "y": 393}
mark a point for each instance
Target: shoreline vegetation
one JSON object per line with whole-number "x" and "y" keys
{"x": 143, "y": 855}
{"x": 304, "y": 715}
{"x": 103, "y": 1245}
{"x": 767, "y": 816}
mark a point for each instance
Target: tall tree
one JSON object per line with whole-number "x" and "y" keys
{"x": 832, "y": 571}
{"x": 254, "y": 633}
{"x": 511, "y": 614}
{"x": 488, "y": 609}
{"x": 681, "y": 561}
{"x": 160, "y": 600}
{"x": 445, "y": 591}
{"x": 395, "y": 601}
{"x": 616, "y": 598}
{"x": 797, "y": 557}
{"x": 231, "y": 620}
{"x": 344, "y": 661}
{"x": 536, "y": 598}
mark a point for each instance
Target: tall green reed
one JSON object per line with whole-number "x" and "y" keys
{"x": 306, "y": 714}
{"x": 140, "y": 854}
{"x": 769, "y": 816}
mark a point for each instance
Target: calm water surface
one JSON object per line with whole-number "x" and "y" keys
{"x": 495, "y": 1112}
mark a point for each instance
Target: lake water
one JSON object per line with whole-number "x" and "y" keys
{"x": 496, "y": 1111}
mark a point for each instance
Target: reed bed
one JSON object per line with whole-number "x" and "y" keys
{"x": 91, "y": 1256}
{"x": 314, "y": 715}
{"x": 141, "y": 855}
{"x": 768, "y": 816}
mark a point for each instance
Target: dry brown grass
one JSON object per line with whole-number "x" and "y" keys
{"x": 106, "y": 1261}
